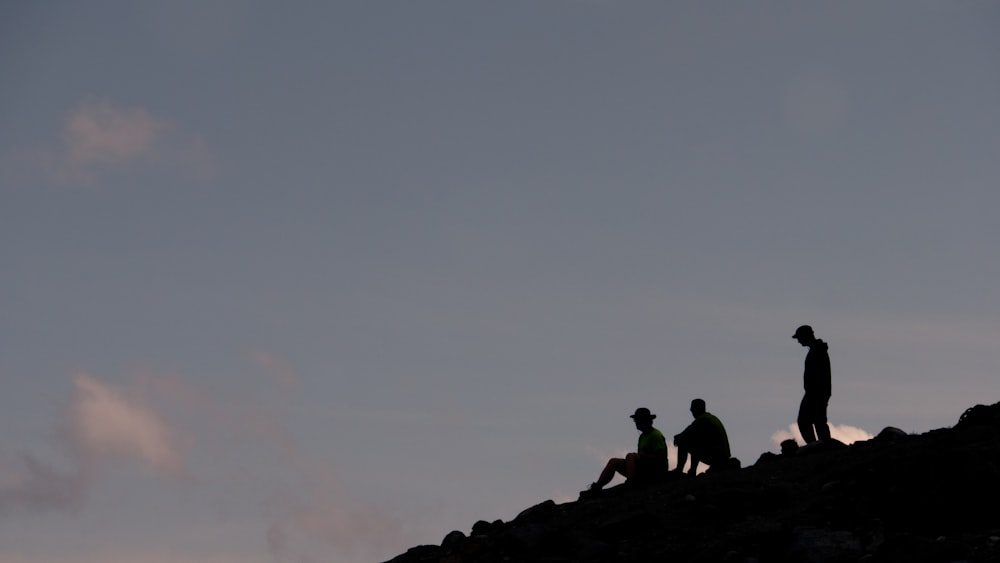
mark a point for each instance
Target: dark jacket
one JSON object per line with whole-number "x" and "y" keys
{"x": 817, "y": 373}
{"x": 705, "y": 438}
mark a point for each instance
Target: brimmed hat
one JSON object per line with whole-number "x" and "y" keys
{"x": 804, "y": 330}
{"x": 642, "y": 413}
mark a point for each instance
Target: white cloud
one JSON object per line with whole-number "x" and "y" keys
{"x": 104, "y": 422}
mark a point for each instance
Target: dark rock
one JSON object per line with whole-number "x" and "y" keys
{"x": 453, "y": 539}
{"x": 980, "y": 415}
{"x": 822, "y": 545}
{"x": 891, "y": 434}
{"x": 529, "y": 537}
{"x": 541, "y": 511}
{"x": 911, "y": 548}
{"x": 921, "y": 498}
{"x": 484, "y": 528}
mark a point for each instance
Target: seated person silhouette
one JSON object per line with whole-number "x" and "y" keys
{"x": 648, "y": 464}
{"x": 705, "y": 440}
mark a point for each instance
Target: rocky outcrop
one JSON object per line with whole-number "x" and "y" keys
{"x": 924, "y": 498}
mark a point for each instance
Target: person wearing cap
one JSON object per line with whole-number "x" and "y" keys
{"x": 648, "y": 464}
{"x": 705, "y": 440}
{"x": 816, "y": 379}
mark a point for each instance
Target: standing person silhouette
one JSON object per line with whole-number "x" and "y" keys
{"x": 816, "y": 380}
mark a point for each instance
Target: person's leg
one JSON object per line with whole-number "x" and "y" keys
{"x": 699, "y": 454}
{"x": 685, "y": 448}
{"x": 631, "y": 466}
{"x": 682, "y": 457}
{"x": 806, "y": 429}
{"x": 822, "y": 428}
{"x": 805, "y": 421}
{"x": 694, "y": 465}
{"x": 615, "y": 465}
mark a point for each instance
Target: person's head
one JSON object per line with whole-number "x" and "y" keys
{"x": 643, "y": 418}
{"x": 804, "y": 334}
{"x": 697, "y": 407}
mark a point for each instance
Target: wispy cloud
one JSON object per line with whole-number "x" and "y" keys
{"x": 33, "y": 485}
{"x": 98, "y": 134}
{"x": 99, "y": 138}
{"x": 105, "y": 422}
{"x": 102, "y": 424}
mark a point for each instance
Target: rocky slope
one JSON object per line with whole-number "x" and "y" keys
{"x": 924, "y": 498}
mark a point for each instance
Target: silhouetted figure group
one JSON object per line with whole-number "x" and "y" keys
{"x": 705, "y": 441}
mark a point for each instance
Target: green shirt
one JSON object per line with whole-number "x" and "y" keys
{"x": 652, "y": 442}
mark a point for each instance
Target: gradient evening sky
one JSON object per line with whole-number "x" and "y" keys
{"x": 321, "y": 281}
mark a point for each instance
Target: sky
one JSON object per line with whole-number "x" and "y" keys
{"x": 322, "y": 281}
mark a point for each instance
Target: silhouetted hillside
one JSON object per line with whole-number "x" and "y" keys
{"x": 924, "y": 498}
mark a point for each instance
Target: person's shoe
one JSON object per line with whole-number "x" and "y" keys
{"x": 590, "y": 492}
